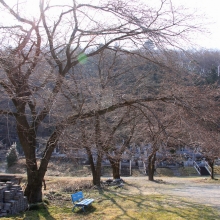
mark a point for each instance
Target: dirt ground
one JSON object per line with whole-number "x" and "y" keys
{"x": 197, "y": 189}
{"x": 201, "y": 190}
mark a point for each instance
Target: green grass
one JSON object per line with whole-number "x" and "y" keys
{"x": 110, "y": 203}
{"x": 117, "y": 204}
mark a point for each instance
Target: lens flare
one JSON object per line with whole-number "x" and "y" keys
{"x": 82, "y": 58}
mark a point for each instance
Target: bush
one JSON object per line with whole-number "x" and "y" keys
{"x": 12, "y": 156}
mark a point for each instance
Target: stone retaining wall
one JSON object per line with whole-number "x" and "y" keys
{"x": 12, "y": 199}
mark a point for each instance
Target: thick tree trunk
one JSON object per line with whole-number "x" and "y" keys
{"x": 27, "y": 139}
{"x": 211, "y": 164}
{"x": 115, "y": 169}
{"x": 151, "y": 166}
{"x": 212, "y": 172}
{"x": 35, "y": 175}
{"x": 92, "y": 165}
{"x": 33, "y": 190}
{"x": 98, "y": 171}
{"x": 95, "y": 168}
{"x": 99, "y": 147}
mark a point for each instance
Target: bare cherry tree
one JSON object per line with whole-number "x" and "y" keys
{"x": 202, "y": 124}
{"x": 39, "y": 54}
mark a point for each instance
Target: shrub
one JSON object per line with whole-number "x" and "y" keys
{"x": 12, "y": 156}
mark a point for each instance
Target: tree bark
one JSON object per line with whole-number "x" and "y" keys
{"x": 115, "y": 164}
{"x": 98, "y": 171}
{"x": 151, "y": 166}
{"x": 33, "y": 190}
{"x": 92, "y": 165}
{"x": 95, "y": 168}
{"x": 99, "y": 148}
{"x": 27, "y": 139}
{"x": 211, "y": 164}
{"x": 35, "y": 175}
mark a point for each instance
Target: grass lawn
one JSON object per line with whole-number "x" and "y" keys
{"x": 115, "y": 203}
{"x": 138, "y": 199}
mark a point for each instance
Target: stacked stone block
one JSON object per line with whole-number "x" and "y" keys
{"x": 12, "y": 199}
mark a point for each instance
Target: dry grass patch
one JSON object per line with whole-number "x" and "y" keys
{"x": 56, "y": 167}
{"x": 129, "y": 202}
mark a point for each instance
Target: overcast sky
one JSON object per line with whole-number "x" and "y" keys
{"x": 209, "y": 8}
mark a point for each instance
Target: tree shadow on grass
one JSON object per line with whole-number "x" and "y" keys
{"x": 107, "y": 195}
{"x": 183, "y": 208}
{"x": 36, "y": 212}
{"x": 162, "y": 204}
{"x": 88, "y": 210}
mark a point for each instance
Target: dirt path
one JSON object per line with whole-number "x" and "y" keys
{"x": 197, "y": 189}
{"x": 200, "y": 190}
